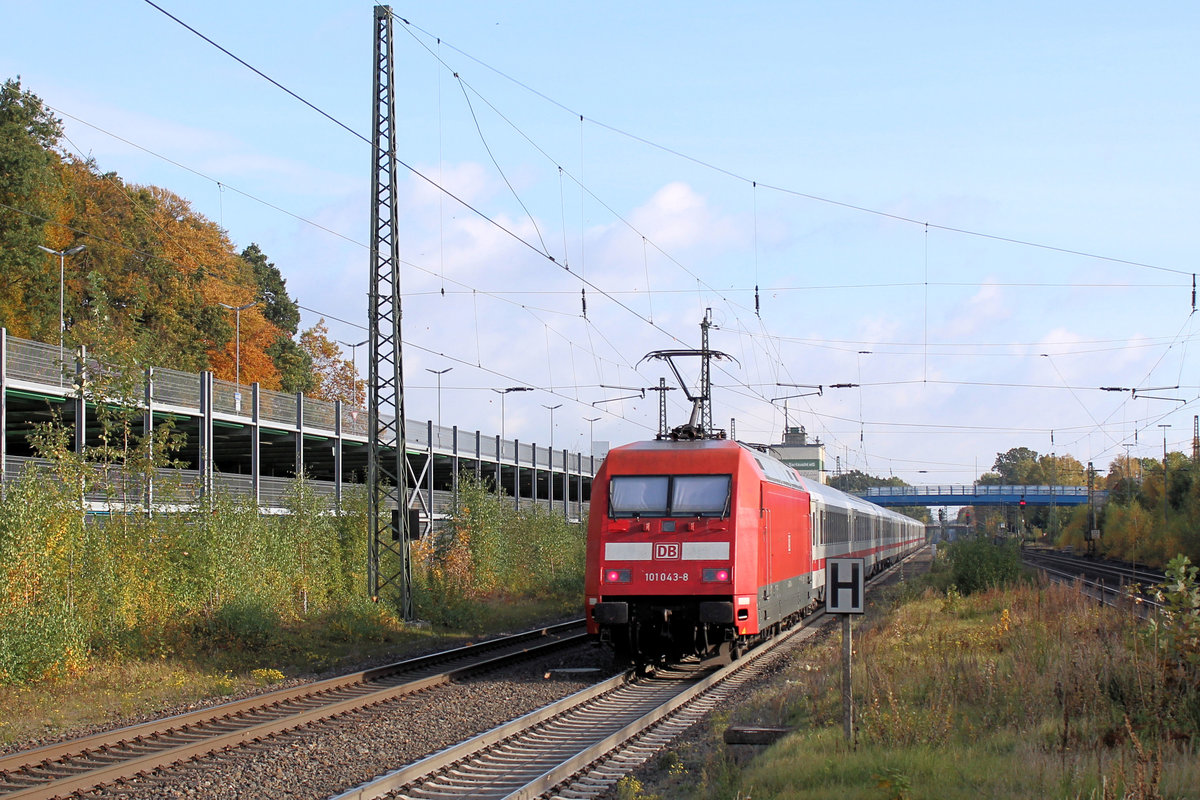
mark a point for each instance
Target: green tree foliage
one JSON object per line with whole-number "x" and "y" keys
{"x": 278, "y": 306}
{"x": 1016, "y": 466}
{"x": 1175, "y": 630}
{"x": 1145, "y": 519}
{"x": 295, "y": 366}
{"x": 978, "y": 564}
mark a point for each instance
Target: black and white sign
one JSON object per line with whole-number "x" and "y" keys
{"x": 845, "y": 584}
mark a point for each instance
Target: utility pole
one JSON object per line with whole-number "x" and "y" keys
{"x": 1093, "y": 534}
{"x": 387, "y": 466}
{"x": 1164, "y": 427}
{"x": 706, "y": 422}
{"x": 662, "y": 390}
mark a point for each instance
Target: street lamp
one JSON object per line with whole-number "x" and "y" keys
{"x": 591, "y": 421}
{"x": 439, "y": 373}
{"x": 237, "y": 312}
{"x": 503, "y": 392}
{"x": 354, "y": 362}
{"x": 62, "y": 260}
{"x": 1164, "y": 427}
{"x": 551, "y": 410}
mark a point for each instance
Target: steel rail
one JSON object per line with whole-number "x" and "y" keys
{"x": 1120, "y": 571}
{"x": 534, "y": 753}
{"x": 1066, "y": 570}
{"x": 77, "y": 765}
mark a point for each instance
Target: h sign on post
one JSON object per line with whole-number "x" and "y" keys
{"x": 845, "y": 584}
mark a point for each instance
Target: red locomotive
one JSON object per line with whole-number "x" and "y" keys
{"x": 700, "y": 547}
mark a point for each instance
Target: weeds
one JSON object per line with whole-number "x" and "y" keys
{"x": 1012, "y": 690}
{"x": 491, "y": 553}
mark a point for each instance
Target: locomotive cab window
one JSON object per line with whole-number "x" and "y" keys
{"x": 700, "y": 495}
{"x": 669, "y": 495}
{"x": 638, "y": 495}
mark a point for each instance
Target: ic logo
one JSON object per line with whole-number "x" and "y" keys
{"x": 666, "y": 551}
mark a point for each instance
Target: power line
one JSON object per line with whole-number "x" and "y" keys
{"x": 785, "y": 190}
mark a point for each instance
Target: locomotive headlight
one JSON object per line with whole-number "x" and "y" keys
{"x": 715, "y": 575}
{"x": 617, "y": 576}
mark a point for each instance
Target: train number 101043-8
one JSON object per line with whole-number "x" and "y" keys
{"x": 666, "y": 577}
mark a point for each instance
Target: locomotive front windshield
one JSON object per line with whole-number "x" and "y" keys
{"x": 669, "y": 495}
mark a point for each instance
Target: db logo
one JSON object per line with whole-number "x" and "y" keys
{"x": 666, "y": 551}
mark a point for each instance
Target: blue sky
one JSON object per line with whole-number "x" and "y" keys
{"x": 800, "y": 147}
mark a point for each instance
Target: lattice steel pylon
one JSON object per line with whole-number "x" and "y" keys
{"x": 389, "y": 564}
{"x": 706, "y": 419}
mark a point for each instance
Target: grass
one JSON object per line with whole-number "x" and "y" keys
{"x": 1030, "y": 691}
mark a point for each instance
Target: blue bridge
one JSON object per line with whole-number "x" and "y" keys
{"x": 978, "y": 495}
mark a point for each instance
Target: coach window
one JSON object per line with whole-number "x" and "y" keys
{"x": 638, "y": 495}
{"x": 700, "y": 496}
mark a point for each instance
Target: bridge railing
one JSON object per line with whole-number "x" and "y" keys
{"x": 981, "y": 490}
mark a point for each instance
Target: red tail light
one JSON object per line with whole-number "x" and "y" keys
{"x": 617, "y": 576}
{"x": 716, "y": 575}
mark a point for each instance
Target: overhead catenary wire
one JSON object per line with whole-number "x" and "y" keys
{"x": 758, "y": 182}
{"x": 775, "y": 342}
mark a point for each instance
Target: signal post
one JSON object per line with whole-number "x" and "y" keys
{"x": 845, "y": 588}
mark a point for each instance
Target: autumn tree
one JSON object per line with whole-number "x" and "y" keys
{"x": 30, "y": 197}
{"x": 1051, "y": 470}
{"x": 336, "y": 378}
{"x": 158, "y": 282}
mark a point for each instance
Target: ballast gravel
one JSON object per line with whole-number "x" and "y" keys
{"x": 328, "y": 759}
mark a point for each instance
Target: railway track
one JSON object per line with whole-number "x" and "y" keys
{"x": 581, "y": 745}
{"x": 1113, "y": 583}
{"x": 586, "y": 741}
{"x": 83, "y": 764}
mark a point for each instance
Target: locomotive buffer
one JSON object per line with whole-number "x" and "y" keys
{"x": 845, "y": 586}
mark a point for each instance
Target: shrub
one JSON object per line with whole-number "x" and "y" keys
{"x": 490, "y": 552}
{"x": 979, "y": 564}
{"x": 1175, "y": 631}
{"x": 244, "y": 624}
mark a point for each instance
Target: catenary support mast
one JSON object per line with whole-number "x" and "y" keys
{"x": 389, "y": 566}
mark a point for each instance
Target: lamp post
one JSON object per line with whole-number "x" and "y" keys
{"x": 551, "y": 410}
{"x": 1164, "y": 427}
{"x": 354, "y": 362}
{"x": 62, "y": 268}
{"x": 237, "y": 312}
{"x": 439, "y": 373}
{"x": 550, "y": 461}
{"x": 503, "y": 392}
{"x": 591, "y": 421}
